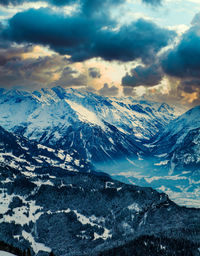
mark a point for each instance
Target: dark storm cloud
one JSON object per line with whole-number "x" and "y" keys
{"x": 94, "y": 72}
{"x": 108, "y": 91}
{"x": 88, "y": 6}
{"x": 13, "y": 2}
{"x": 189, "y": 86}
{"x": 53, "y": 2}
{"x": 184, "y": 60}
{"x": 83, "y": 38}
{"x": 146, "y": 76}
{"x": 181, "y": 62}
{"x": 139, "y": 40}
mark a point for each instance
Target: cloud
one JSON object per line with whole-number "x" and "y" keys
{"x": 53, "y": 2}
{"x": 180, "y": 64}
{"x": 152, "y": 2}
{"x": 129, "y": 91}
{"x": 140, "y": 40}
{"x": 94, "y": 72}
{"x": 70, "y": 78}
{"x": 183, "y": 61}
{"x": 190, "y": 86}
{"x": 15, "y": 70}
{"x": 146, "y": 76}
{"x": 88, "y": 6}
{"x": 11, "y": 2}
{"x": 108, "y": 91}
{"x": 94, "y": 7}
{"x": 9, "y": 52}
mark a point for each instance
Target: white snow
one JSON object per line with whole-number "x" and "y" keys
{"x": 30, "y": 168}
{"x": 85, "y": 220}
{"x": 47, "y": 148}
{"x": 77, "y": 162}
{"x": 5, "y": 200}
{"x": 22, "y": 215}
{"x": 61, "y": 154}
{"x": 68, "y": 158}
{"x": 29, "y": 174}
{"x": 134, "y": 207}
{"x": 41, "y": 182}
{"x": 109, "y": 184}
{"x": 3, "y": 253}
{"x": 106, "y": 234}
{"x": 36, "y": 246}
{"x": 111, "y": 140}
{"x": 85, "y": 114}
{"x": 162, "y": 162}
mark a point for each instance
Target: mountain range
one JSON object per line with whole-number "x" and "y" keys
{"x": 70, "y": 165}
{"x": 133, "y": 140}
{"x": 101, "y": 128}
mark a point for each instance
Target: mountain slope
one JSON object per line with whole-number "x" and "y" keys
{"x": 75, "y": 213}
{"x": 151, "y": 246}
{"x": 18, "y": 152}
{"x": 180, "y": 142}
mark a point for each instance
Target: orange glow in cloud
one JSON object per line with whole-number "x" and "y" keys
{"x": 55, "y": 76}
{"x": 37, "y": 52}
{"x": 111, "y": 72}
{"x": 152, "y": 90}
{"x": 189, "y": 97}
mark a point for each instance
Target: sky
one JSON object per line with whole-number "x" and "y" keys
{"x": 139, "y": 48}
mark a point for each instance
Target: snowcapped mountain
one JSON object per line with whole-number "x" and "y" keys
{"x": 132, "y": 140}
{"x": 75, "y": 213}
{"x": 135, "y": 141}
{"x": 52, "y": 199}
{"x": 20, "y": 153}
{"x": 99, "y": 128}
{"x": 173, "y": 164}
{"x": 180, "y": 142}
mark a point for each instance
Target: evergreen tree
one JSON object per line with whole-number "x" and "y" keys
{"x": 28, "y": 252}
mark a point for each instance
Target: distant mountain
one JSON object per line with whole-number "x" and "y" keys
{"x": 101, "y": 129}
{"x": 180, "y": 142}
{"x": 74, "y": 213}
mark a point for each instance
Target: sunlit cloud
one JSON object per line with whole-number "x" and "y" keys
{"x": 111, "y": 47}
